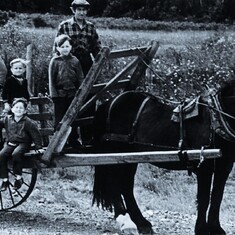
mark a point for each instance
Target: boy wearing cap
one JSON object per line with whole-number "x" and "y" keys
{"x": 21, "y": 131}
{"x": 83, "y": 34}
{"x": 16, "y": 85}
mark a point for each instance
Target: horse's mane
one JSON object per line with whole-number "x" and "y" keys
{"x": 225, "y": 89}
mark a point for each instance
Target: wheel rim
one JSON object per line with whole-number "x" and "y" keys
{"x": 12, "y": 198}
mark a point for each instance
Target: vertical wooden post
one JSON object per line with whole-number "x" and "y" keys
{"x": 141, "y": 68}
{"x": 29, "y": 77}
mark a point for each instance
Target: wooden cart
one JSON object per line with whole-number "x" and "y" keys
{"x": 54, "y": 156}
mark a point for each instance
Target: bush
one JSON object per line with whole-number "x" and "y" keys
{"x": 174, "y": 74}
{"x": 39, "y": 22}
{"x": 178, "y": 74}
{"x": 4, "y": 17}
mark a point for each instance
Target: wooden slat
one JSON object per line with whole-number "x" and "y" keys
{"x": 40, "y": 100}
{"x": 69, "y": 160}
{"x": 121, "y": 84}
{"x": 139, "y": 72}
{"x": 41, "y": 116}
{"x": 46, "y": 131}
{"x": 127, "y": 52}
{"x": 36, "y": 100}
{"x": 84, "y": 121}
{"x": 29, "y": 69}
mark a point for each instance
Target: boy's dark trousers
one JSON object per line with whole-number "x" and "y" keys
{"x": 17, "y": 153}
{"x": 61, "y": 105}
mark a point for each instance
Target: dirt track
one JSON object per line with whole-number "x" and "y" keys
{"x": 60, "y": 207}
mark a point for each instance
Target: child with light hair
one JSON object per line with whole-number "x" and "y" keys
{"x": 15, "y": 86}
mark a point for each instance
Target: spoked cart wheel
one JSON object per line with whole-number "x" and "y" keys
{"x": 12, "y": 198}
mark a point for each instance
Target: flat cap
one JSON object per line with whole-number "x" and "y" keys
{"x": 82, "y": 3}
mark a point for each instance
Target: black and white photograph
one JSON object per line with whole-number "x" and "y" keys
{"x": 117, "y": 117}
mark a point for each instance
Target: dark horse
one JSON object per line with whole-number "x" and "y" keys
{"x": 135, "y": 121}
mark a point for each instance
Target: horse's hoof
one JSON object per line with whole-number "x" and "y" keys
{"x": 146, "y": 231}
{"x": 216, "y": 229}
{"x": 126, "y": 225}
{"x": 202, "y": 233}
{"x": 201, "y": 229}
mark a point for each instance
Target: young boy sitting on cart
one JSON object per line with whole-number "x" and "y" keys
{"x": 21, "y": 131}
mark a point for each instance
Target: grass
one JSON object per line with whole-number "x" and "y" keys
{"x": 160, "y": 194}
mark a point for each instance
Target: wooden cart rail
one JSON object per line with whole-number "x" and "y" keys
{"x": 86, "y": 159}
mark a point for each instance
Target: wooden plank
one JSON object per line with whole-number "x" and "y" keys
{"x": 29, "y": 77}
{"x": 46, "y": 131}
{"x": 85, "y": 121}
{"x": 61, "y": 144}
{"x": 141, "y": 68}
{"x": 120, "y": 84}
{"x": 40, "y": 100}
{"x": 70, "y": 160}
{"x": 37, "y": 100}
{"x": 76, "y": 104}
{"x": 127, "y": 52}
{"x": 41, "y": 116}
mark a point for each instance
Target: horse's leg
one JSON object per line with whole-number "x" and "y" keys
{"x": 119, "y": 206}
{"x": 204, "y": 179}
{"x": 143, "y": 225}
{"x": 126, "y": 225}
{"x": 222, "y": 171}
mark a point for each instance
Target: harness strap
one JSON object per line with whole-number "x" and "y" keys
{"x": 122, "y": 137}
{"x": 182, "y": 132}
{"x": 108, "y": 124}
{"x": 134, "y": 125}
{"x": 221, "y": 127}
{"x": 183, "y": 156}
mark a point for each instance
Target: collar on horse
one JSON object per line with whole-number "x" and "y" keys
{"x": 218, "y": 121}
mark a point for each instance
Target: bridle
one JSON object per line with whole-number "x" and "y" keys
{"x": 218, "y": 117}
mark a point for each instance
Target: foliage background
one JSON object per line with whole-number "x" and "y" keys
{"x": 187, "y": 59}
{"x": 196, "y": 10}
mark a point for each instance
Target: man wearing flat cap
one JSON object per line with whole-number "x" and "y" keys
{"x": 83, "y": 34}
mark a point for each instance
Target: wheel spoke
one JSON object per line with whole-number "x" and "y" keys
{"x": 11, "y": 197}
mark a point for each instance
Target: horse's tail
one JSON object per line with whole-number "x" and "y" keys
{"x": 110, "y": 180}
{"x": 101, "y": 194}
{"x": 106, "y": 187}
{"x": 103, "y": 189}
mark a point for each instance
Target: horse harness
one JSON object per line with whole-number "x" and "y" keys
{"x": 218, "y": 126}
{"x": 219, "y": 123}
{"x": 130, "y": 138}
